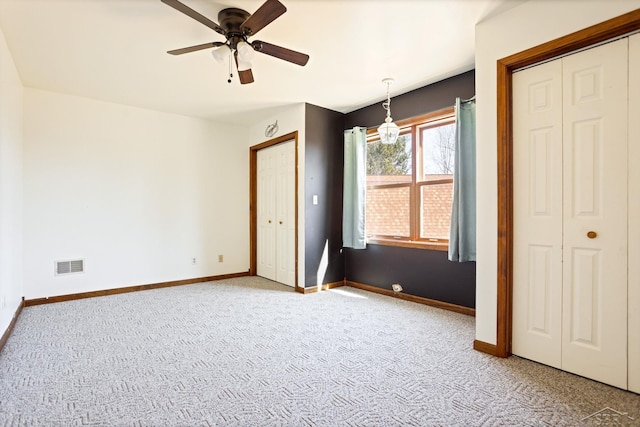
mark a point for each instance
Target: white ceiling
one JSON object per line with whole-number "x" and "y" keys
{"x": 115, "y": 50}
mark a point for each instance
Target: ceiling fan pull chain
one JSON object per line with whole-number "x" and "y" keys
{"x": 230, "y": 69}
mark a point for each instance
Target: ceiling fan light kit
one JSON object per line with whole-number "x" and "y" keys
{"x": 221, "y": 53}
{"x": 237, "y": 25}
{"x": 245, "y": 55}
{"x": 388, "y": 131}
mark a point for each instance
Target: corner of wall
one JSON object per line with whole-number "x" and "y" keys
{"x": 11, "y": 189}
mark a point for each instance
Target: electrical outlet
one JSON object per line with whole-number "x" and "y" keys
{"x": 194, "y": 260}
{"x": 396, "y": 288}
{"x": 220, "y": 258}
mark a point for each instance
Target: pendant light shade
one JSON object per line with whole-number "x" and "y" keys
{"x": 245, "y": 51}
{"x": 245, "y": 55}
{"x": 221, "y": 53}
{"x": 243, "y": 65}
{"x": 388, "y": 131}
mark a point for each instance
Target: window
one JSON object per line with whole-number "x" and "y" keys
{"x": 410, "y": 183}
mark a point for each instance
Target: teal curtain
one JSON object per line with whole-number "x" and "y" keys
{"x": 354, "y": 195}
{"x": 462, "y": 237}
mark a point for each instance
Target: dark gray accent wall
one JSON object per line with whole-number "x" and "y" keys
{"x": 421, "y": 272}
{"x": 323, "y": 177}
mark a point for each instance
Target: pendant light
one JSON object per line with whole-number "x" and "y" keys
{"x": 388, "y": 131}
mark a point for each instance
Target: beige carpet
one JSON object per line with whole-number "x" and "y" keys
{"x": 249, "y": 352}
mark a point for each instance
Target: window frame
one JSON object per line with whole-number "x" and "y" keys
{"x": 414, "y": 127}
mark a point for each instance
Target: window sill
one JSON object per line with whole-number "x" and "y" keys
{"x": 434, "y": 246}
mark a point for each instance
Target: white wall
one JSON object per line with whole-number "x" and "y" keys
{"x": 515, "y": 30}
{"x": 135, "y": 193}
{"x": 11, "y": 290}
{"x": 290, "y": 119}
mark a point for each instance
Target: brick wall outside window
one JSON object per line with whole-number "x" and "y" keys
{"x": 387, "y": 211}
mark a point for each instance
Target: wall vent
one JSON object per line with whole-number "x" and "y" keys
{"x": 69, "y": 267}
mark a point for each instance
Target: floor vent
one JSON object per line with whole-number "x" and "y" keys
{"x": 69, "y": 267}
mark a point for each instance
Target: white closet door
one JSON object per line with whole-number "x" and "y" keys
{"x": 276, "y": 213}
{"x": 266, "y": 213}
{"x": 285, "y": 213}
{"x": 537, "y": 157}
{"x": 634, "y": 214}
{"x": 595, "y": 200}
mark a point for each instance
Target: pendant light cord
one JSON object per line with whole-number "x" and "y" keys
{"x": 387, "y": 104}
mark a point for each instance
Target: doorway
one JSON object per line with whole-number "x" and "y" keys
{"x": 271, "y": 221}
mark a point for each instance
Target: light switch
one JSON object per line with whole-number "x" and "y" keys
{"x": 315, "y": 199}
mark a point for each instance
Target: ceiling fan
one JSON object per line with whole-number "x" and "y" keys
{"x": 237, "y": 25}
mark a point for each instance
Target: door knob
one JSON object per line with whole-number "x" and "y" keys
{"x": 280, "y": 222}
{"x": 269, "y": 221}
{"x": 592, "y": 234}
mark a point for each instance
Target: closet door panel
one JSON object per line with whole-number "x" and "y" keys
{"x": 595, "y": 213}
{"x": 290, "y": 216}
{"x": 634, "y": 214}
{"x": 266, "y": 213}
{"x": 285, "y": 271}
{"x": 537, "y": 151}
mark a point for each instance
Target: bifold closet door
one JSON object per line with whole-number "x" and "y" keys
{"x": 285, "y": 214}
{"x": 537, "y": 213}
{"x": 594, "y": 339}
{"x": 276, "y": 213}
{"x": 266, "y": 213}
{"x": 570, "y": 213}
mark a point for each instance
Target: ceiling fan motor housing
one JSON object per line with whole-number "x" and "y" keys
{"x": 231, "y": 19}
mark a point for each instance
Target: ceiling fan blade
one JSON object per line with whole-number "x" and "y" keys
{"x": 245, "y": 76}
{"x": 262, "y": 17}
{"x": 195, "y": 15}
{"x": 194, "y": 48}
{"x": 280, "y": 52}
